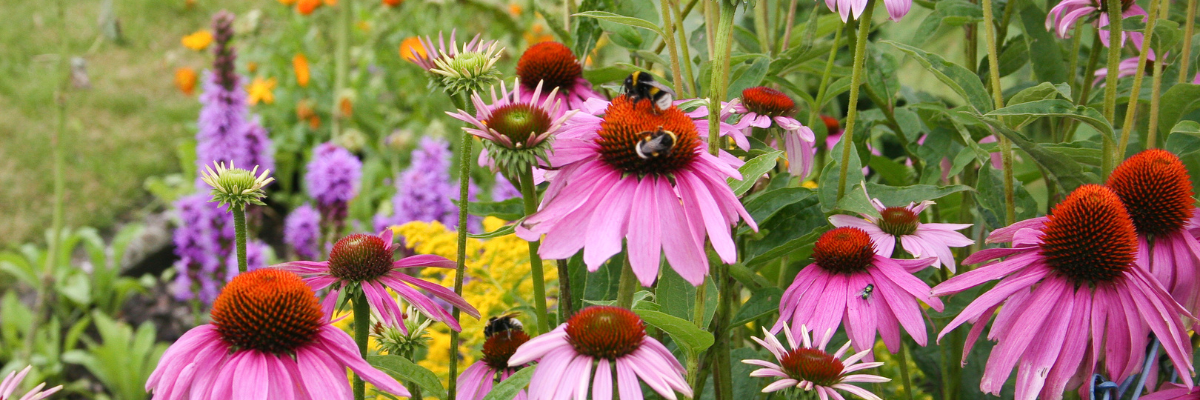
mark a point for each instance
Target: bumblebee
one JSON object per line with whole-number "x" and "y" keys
{"x": 503, "y": 324}
{"x": 866, "y": 292}
{"x": 640, "y": 85}
{"x": 655, "y": 144}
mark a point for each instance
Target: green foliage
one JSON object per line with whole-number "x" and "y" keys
{"x": 123, "y": 359}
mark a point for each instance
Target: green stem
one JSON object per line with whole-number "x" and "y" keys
{"x": 1188, "y": 31}
{"x": 722, "y": 374}
{"x": 903, "y": 360}
{"x": 1156, "y": 89}
{"x": 566, "y": 305}
{"x": 1086, "y": 90}
{"x": 464, "y": 182}
{"x": 1076, "y": 43}
{"x": 856, "y": 77}
{"x": 761, "y": 22}
{"x": 341, "y": 64}
{"x": 693, "y": 360}
{"x": 529, "y": 194}
{"x": 720, "y": 65}
{"x": 362, "y": 333}
{"x": 989, "y": 31}
{"x": 669, "y": 40}
{"x": 627, "y": 286}
{"x": 815, "y": 113}
{"x": 690, "y": 81}
{"x": 1114, "y": 62}
{"x": 1138, "y": 74}
{"x": 787, "y": 29}
{"x": 239, "y": 228}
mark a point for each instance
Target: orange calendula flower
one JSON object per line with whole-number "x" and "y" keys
{"x": 514, "y": 9}
{"x": 306, "y": 7}
{"x": 300, "y": 64}
{"x": 261, "y": 90}
{"x": 392, "y": 3}
{"x": 408, "y": 46}
{"x": 198, "y": 40}
{"x": 185, "y": 80}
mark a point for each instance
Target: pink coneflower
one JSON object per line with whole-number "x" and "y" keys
{"x": 1173, "y": 391}
{"x": 637, "y": 155}
{"x": 428, "y": 58}
{"x": 763, "y": 107}
{"x": 1157, "y": 192}
{"x": 1068, "y": 285}
{"x": 849, "y": 284}
{"x": 477, "y": 380}
{"x": 553, "y": 66}
{"x": 364, "y": 262}
{"x": 268, "y": 339}
{"x": 10, "y": 383}
{"x": 809, "y": 367}
{"x": 903, "y": 225}
{"x": 516, "y": 127}
{"x": 1127, "y": 67}
{"x": 897, "y": 9}
{"x": 611, "y": 338}
{"x": 1063, "y": 17}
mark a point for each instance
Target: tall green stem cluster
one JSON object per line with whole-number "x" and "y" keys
{"x": 362, "y": 332}
{"x": 1139, "y": 73}
{"x": 1109, "y": 155}
{"x": 464, "y": 182}
{"x": 856, "y": 78}
{"x": 529, "y": 195}
{"x": 989, "y": 31}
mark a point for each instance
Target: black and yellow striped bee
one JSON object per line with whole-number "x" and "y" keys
{"x": 640, "y": 85}
{"x": 503, "y": 324}
{"x": 655, "y": 144}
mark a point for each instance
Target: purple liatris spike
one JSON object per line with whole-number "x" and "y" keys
{"x": 302, "y": 231}
{"x": 504, "y": 190}
{"x": 203, "y": 240}
{"x": 333, "y": 179}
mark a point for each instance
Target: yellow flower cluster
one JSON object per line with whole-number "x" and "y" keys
{"x": 498, "y": 281}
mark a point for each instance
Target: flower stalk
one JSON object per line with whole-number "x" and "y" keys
{"x": 669, "y": 40}
{"x": 1155, "y": 92}
{"x": 856, "y": 77}
{"x": 362, "y": 333}
{"x": 464, "y": 182}
{"x": 1189, "y": 29}
{"x": 239, "y": 228}
{"x": 1006, "y": 156}
{"x": 903, "y": 359}
{"x": 626, "y": 286}
{"x": 529, "y": 195}
{"x": 1138, "y": 74}
{"x": 1109, "y": 154}
{"x": 720, "y": 76}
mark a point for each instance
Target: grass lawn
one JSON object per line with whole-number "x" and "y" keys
{"x": 120, "y": 131}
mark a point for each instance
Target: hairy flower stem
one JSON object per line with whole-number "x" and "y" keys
{"x": 989, "y": 32}
{"x": 566, "y": 307}
{"x": 856, "y": 78}
{"x": 239, "y": 228}
{"x": 1076, "y": 43}
{"x": 1086, "y": 90}
{"x": 362, "y": 333}
{"x": 464, "y": 182}
{"x": 761, "y": 21}
{"x": 626, "y": 286}
{"x": 693, "y": 360}
{"x": 690, "y": 78}
{"x": 529, "y": 195}
{"x": 669, "y": 40}
{"x": 903, "y": 360}
{"x": 1138, "y": 74}
{"x": 1155, "y": 91}
{"x": 341, "y": 65}
{"x": 1188, "y": 31}
{"x": 720, "y": 75}
{"x": 722, "y": 373}
{"x": 815, "y": 114}
{"x": 787, "y": 30}
{"x": 1109, "y": 155}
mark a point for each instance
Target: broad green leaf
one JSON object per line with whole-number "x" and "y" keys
{"x": 503, "y": 231}
{"x": 677, "y": 297}
{"x": 752, "y": 170}
{"x": 587, "y": 31}
{"x": 1060, "y": 170}
{"x": 990, "y": 199}
{"x": 1187, "y": 128}
{"x": 793, "y": 227}
{"x": 1184, "y": 141}
{"x": 404, "y": 370}
{"x": 895, "y": 196}
{"x": 1177, "y": 102}
{"x": 623, "y": 20}
{"x": 684, "y": 332}
{"x": 508, "y": 388}
{"x": 1045, "y": 53}
{"x": 764, "y": 205}
{"x": 1013, "y": 56}
{"x": 749, "y": 77}
{"x": 1166, "y": 35}
{"x": 1058, "y": 108}
{"x": 606, "y": 74}
{"x": 958, "y": 78}
{"x": 762, "y": 302}
{"x": 827, "y": 187}
{"x": 508, "y": 210}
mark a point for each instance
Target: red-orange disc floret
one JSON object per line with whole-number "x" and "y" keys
{"x": 1156, "y": 190}
{"x": 766, "y": 101}
{"x": 360, "y": 257}
{"x": 844, "y": 250}
{"x": 268, "y": 310}
{"x": 549, "y": 62}
{"x": 605, "y": 332}
{"x": 1089, "y": 237}
{"x": 898, "y": 221}
{"x": 816, "y": 366}
{"x": 500, "y": 347}
{"x": 626, "y": 123}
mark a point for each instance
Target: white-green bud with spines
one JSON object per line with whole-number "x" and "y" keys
{"x": 235, "y": 186}
{"x": 469, "y": 71}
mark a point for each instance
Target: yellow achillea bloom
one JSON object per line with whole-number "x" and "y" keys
{"x": 185, "y": 80}
{"x": 261, "y": 90}
{"x": 499, "y": 281}
{"x": 408, "y": 46}
{"x": 300, "y": 64}
{"x": 198, "y": 40}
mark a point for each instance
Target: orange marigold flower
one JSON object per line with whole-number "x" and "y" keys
{"x": 408, "y": 46}
{"x": 261, "y": 90}
{"x": 185, "y": 80}
{"x": 306, "y": 7}
{"x": 198, "y": 40}
{"x": 300, "y": 64}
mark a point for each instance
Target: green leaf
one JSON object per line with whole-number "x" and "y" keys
{"x": 763, "y": 206}
{"x": 508, "y": 210}
{"x": 1058, "y": 108}
{"x": 827, "y": 187}
{"x": 1045, "y": 53}
{"x": 508, "y": 388}
{"x": 1166, "y": 35}
{"x": 684, "y": 332}
{"x": 750, "y": 77}
{"x": 677, "y": 297}
{"x": 1060, "y": 170}
{"x": 990, "y": 199}
{"x": 1187, "y": 128}
{"x": 404, "y": 370}
{"x": 587, "y": 31}
{"x": 1184, "y": 141}
{"x": 959, "y": 79}
{"x": 753, "y": 169}
{"x": 1177, "y": 102}
{"x": 503, "y": 231}
{"x": 761, "y": 302}
{"x": 895, "y": 196}
{"x": 623, "y": 20}
{"x": 793, "y": 227}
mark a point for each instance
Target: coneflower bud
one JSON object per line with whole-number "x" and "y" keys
{"x": 235, "y": 186}
{"x": 469, "y": 71}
